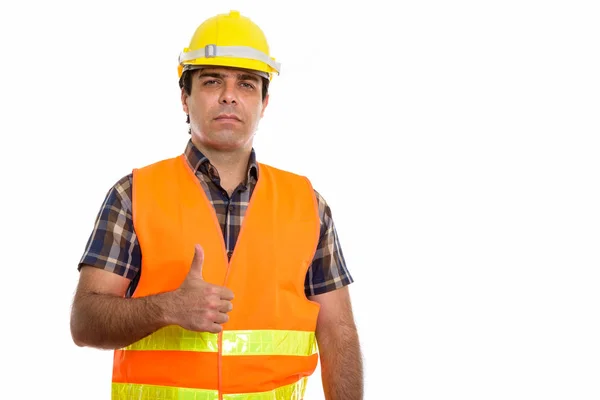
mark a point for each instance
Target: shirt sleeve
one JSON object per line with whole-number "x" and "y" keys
{"x": 113, "y": 245}
{"x": 328, "y": 270}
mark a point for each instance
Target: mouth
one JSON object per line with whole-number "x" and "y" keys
{"x": 227, "y": 118}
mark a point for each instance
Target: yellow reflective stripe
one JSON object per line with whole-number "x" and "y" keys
{"x": 133, "y": 391}
{"x": 235, "y": 343}
{"x": 268, "y": 342}
{"x": 295, "y": 391}
{"x": 174, "y": 337}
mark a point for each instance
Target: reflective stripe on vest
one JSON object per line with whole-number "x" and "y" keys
{"x": 127, "y": 391}
{"x": 240, "y": 342}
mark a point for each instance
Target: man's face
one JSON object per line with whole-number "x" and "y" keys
{"x": 225, "y": 106}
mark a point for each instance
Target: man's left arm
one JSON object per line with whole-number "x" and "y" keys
{"x": 339, "y": 347}
{"x": 327, "y": 284}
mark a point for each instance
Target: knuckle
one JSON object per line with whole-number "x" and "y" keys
{"x": 210, "y": 315}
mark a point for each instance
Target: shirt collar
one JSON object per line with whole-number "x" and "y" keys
{"x": 200, "y": 163}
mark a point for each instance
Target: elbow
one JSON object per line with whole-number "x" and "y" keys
{"x": 78, "y": 340}
{"x": 77, "y": 335}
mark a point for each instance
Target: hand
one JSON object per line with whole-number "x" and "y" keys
{"x": 198, "y": 305}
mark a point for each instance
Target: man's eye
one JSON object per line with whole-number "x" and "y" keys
{"x": 209, "y": 82}
{"x": 247, "y": 85}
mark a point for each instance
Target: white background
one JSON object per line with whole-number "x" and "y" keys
{"x": 456, "y": 142}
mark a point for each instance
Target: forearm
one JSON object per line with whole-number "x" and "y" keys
{"x": 111, "y": 322}
{"x": 341, "y": 364}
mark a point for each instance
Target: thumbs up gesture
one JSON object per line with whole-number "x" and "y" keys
{"x": 198, "y": 305}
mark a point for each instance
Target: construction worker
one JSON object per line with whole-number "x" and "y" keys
{"x": 209, "y": 274}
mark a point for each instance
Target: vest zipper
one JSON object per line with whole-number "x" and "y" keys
{"x": 220, "y": 337}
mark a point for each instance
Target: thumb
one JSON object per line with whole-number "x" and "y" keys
{"x": 197, "y": 261}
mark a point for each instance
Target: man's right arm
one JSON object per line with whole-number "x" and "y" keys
{"x": 102, "y": 317}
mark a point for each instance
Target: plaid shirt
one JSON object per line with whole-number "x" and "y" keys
{"x": 113, "y": 244}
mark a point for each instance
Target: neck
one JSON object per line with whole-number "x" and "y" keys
{"x": 231, "y": 165}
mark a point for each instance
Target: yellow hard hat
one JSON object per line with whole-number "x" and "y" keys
{"x": 229, "y": 40}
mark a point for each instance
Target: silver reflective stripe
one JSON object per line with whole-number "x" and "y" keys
{"x": 212, "y": 50}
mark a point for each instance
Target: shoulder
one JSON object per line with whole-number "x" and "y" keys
{"x": 157, "y": 165}
{"x": 324, "y": 211}
{"x": 320, "y": 199}
{"x": 112, "y": 244}
{"x": 322, "y": 205}
{"x": 123, "y": 184}
{"x": 278, "y": 171}
{"x": 287, "y": 179}
{"x": 119, "y": 194}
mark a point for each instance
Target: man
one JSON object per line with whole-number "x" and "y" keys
{"x": 211, "y": 275}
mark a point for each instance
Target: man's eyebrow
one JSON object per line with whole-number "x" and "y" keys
{"x": 211, "y": 75}
{"x": 248, "y": 77}
{"x": 241, "y": 77}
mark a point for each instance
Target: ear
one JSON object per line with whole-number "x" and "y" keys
{"x": 265, "y": 104}
{"x": 184, "y": 98}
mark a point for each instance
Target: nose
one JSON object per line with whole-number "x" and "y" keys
{"x": 228, "y": 94}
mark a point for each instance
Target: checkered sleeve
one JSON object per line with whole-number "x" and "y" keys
{"x": 113, "y": 244}
{"x": 328, "y": 270}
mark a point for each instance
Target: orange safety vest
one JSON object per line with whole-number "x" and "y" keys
{"x": 267, "y": 349}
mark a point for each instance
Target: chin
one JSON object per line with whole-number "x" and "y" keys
{"x": 224, "y": 145}
{"x": 222, "y": 141}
